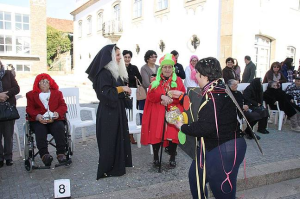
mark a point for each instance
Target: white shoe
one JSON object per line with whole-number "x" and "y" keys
{"x": 296, "y": 128}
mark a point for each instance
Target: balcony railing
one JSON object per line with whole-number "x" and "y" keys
{"x": 112, "y": 29}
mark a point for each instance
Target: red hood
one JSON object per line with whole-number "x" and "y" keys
{"x": 53, "y": 85}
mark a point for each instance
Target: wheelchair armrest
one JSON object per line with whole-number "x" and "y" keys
{"x": 92, "y": 110}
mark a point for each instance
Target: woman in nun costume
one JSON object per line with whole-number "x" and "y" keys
{"x": 108, "y": 73}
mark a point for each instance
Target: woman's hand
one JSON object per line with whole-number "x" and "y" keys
{"x": 245, "y": 107}
{"x": 3, "y": 96}
{"x": 178, "y": 124}
{"x": 165, "y": 100}
{"x": 40, "y": 118}
{"x": 55, "y": 115}
{"x": 126, "y": 89}
{"x": 174, "y": 93}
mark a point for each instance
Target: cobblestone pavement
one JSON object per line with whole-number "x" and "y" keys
{"x": 15, "y": 182}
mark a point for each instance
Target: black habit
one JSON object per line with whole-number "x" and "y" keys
{"x": 111, "y": 126}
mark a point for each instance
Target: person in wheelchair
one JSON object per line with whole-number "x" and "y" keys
{"x": 46, "y": 111}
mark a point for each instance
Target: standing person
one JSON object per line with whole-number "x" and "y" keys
{"x": 237, "y": 70}
{"x": 190, "y": 73}
{"x": 228, "y": 72}
{"x": 163, "y": 93}
{"x": 9, "y": 88}
{"x": 178, "y": 67}
{"x": 148, "y": 72}
{"x": 133, "y": 73}
{"x": 217, "y": 123}
{"x": 249, "y": 72}
{"x": 293, "y": 91}
{"x": 108, "y": 73}
{"x": 288, "y": 69}
{"x": 274, "y": 74}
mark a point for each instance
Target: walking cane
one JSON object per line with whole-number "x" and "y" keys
{"x": 162, "y": 140}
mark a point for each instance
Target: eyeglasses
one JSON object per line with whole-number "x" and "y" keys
{"x": 44, "y": 81}
{"x": 194, "y": 60}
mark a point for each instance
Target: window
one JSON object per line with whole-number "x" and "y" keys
{"x": 262, "y": 47}
{"x": 162, "y": 4}
{"x": 99, "y": 21}
{"x": 291, "y": 52}
{"x": 22, "y": 22}
{"x": 89, "y": 25}
{"x": 295, "y": 4}
{"x": 5, "y": 20}
{"x": 22, "y": 45}
{"x": 80, "y": 29}
{"x": 5, "y": 44}
{"x": 137, "y": 8}
{"x": 23, "y": 67}
{"x": 117, "y": 12}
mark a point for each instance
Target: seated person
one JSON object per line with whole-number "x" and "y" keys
{"x": 275, "y": 93}
{"x": 46, "y": 110}
{"x": 251, "y": 116}
{"x": 253, "y": 98}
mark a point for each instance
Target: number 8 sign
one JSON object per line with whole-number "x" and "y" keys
{"x": 62, "y": 188}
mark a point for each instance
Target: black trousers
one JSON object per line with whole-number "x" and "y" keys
{"x": 7, "y": 132}
{"x": 56, "y": 129}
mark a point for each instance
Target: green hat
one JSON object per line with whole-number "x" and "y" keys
{"x": 168, "y": 59}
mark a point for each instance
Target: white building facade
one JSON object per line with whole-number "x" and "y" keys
{"x": 15, "y": 36}
{"x": 266, "y": 30}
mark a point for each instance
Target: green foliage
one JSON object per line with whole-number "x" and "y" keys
{"x": 57, "y": 43}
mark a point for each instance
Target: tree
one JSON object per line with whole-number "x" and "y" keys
{"x": 57, "y": 43}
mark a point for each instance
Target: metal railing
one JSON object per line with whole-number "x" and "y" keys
{"x": 112, "y": 27}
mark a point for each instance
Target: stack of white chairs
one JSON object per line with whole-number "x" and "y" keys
{"x": 135, "y": 128}
{"x": 71, "y": 97}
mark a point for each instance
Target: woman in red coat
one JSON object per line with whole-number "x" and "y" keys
{"x": 46, "y": 108}
{"x": 163, "y": 93}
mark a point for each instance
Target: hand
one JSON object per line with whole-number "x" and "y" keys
{"x": 174, "y": 93}
{"x": 166, "y": 100}
{"x": 259, "y": 104}
{"x": 245, "y": 107}
{"x": 3, "y": 96}
{"x": 126, "y": 89}
{"x": 40, "y": 118}
{"x": 275, "y": 103}
{"x": 292, "y": 101}
{"x": 55, "y": 115}
{"x": 178, "y": 124}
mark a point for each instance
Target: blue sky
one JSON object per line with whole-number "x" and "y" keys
{"x": 55, "y": 8}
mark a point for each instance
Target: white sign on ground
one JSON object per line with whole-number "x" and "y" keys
{"x": 62, "y": 188}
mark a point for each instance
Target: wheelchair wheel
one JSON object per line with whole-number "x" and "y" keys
{"x": 26, "y": 139}
{"x": 28, "y": 164}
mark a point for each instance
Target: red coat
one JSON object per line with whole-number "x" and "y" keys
{"x": 153, "y": 117}
{"x": 35, "y": 106}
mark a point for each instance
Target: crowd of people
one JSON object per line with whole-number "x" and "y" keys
{"x": 113, "y": 75}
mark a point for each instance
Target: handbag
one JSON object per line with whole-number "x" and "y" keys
{"x": 140, "y": 91}
{"x": 8, "y": 112}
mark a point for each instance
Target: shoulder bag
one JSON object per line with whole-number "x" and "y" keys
{"x": 140, "y": 91}
{"x": 8, "y": 112}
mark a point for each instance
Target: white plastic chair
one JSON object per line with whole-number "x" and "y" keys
{"x": 265, "y": 86}
{"x": 71, "y": 96}
{"x": 16, "y": 132}
{"x": 134, "y": 128}
{"x": 242, "y": 86}
{"x": 279, "y": 115}
{"x": 285, "y": 85}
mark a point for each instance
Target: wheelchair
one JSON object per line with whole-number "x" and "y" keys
{"x": 29, "y": 147}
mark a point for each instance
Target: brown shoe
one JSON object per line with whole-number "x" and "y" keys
{"x": 47, "y": 159}
{"x": 132, "y": 139}
{"x": 61, "y": 158}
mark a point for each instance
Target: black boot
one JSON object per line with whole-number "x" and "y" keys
{"x": 155, "y": 153}
{"x": 172, "y": 150}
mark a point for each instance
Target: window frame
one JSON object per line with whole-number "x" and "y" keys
{"x": 80, "y": 29}
{"x": 23, "y": 66}
{"x": 288, "y": 54}
{"x": 135, "y": 9}
{"x": 5, "y": 45}
{"x": 5, "y": 21}
{"x": 22, "y": 22}
{"x": 100, "y": 26}
{"x": 89, "y": 20}
{"x": 22, "y": 45}
{"x": 160, "y": 12}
